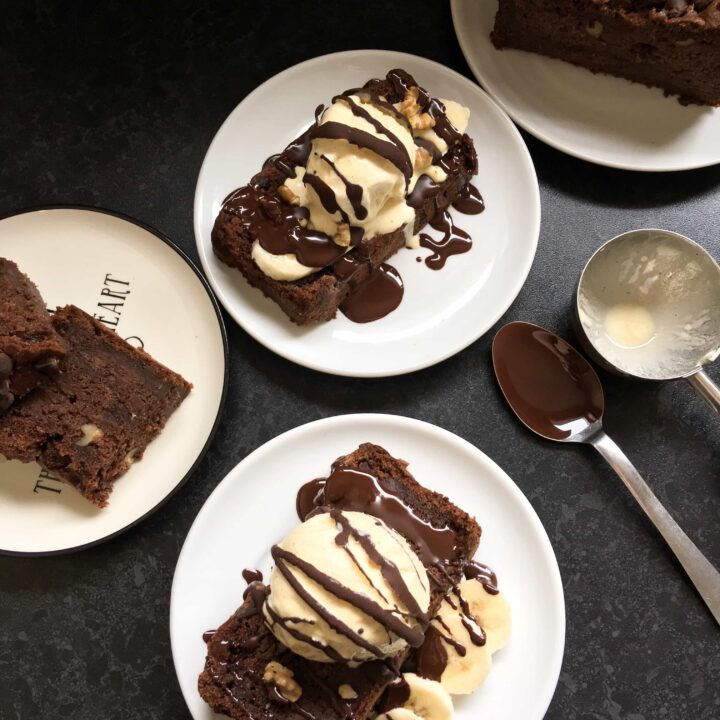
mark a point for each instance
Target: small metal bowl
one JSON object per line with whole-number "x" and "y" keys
{"x": 648, "y": 306}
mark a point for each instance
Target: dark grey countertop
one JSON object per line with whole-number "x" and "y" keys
{"x": 115, "y": 106}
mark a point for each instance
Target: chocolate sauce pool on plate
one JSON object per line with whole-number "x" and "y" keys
{"x": 550, "y": 386}
{"x": 378, "y": 296}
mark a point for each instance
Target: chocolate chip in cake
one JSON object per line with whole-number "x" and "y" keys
{"x": 594, "y": 28}
{"x": 6, "y": 397}
{"x": 675, "y": 8}
{"x": 6, "y": 366}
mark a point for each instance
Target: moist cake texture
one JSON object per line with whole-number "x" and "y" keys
{"x": 670, "y": 44}
{"x": 445, "y": 539}
{"x": 266, "y": 210}
{"x": 95, "y": 418}
{"x": 30, "y": 348}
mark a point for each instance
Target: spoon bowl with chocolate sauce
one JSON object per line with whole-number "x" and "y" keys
{"x": 556, "y": 393}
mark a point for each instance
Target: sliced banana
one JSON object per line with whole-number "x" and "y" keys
{"x": 468, "y": 662}
{"x": 492, "y": 613}
{"x": 428, "y": 700}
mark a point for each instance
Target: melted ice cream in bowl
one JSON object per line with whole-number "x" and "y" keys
{"x": 648, "y": 305}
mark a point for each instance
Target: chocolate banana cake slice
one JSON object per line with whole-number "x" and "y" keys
{"x": 93, "y": 420}
{"x": 250, "y": 675}
{"x": 30, "y": 348}
{"x": 321, "y": 217}
{"x": 670, "y": 44}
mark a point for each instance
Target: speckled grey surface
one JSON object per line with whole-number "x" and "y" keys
{"x": 115, "y": 106}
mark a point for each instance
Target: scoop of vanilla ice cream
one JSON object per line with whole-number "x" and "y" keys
{"x": 316, "y": 626}
{"x": 383, "y": 185}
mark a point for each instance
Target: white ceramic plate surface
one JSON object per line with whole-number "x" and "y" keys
{"x": 599, "y": 118}
{"x": 254, "y": 507}
{"x": 442, "y": 311}
{"x": 148, "y": 292}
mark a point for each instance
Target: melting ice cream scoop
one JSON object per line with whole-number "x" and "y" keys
{"x": 347, "y": 588}
{"x": 648, "y": 305}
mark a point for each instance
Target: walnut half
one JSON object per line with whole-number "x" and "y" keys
{"x": 283, "y": 679}
{"x": 411, "y": 110}
{"x": 288, "y": 195}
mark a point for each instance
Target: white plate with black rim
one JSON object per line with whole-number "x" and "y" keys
{"x": 442, "y": 311}
{"x": 254, "y": 508}
{"x": 598, "y": 118}
{"x": 136, "y": 282}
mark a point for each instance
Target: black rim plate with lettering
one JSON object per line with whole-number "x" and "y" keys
{"x": 135, "y": 281}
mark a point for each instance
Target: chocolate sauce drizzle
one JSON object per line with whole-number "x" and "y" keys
{"x": 484, "y": 575}
{"x": 277, "y": 227}
{"x": 396, "y": 695}
{"x": 432, "y": 657}
{"x": 353, "y": 191}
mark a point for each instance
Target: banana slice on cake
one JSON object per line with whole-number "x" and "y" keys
{"x": 470, "y": 626}
{"x": 491, "y": 611}
{"x": 427, "y": 700}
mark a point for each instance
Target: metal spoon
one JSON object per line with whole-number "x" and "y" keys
{"x": 648, "y": 305}
{"x": 556, "y": 393}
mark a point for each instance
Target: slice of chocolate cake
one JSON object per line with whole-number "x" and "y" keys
{"x": 378, "y": 164}
{"x": 238, "y": 678}
{"x": 92, "y": 421}
{"x": 30, "y": 349}
{"x": 670, "y": 44}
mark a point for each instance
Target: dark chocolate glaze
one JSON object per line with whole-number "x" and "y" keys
{"x": 395, "y": 696}
{"x": 295, "y": 154}
{"x": 346, "y": 267}
{"x": 353, "y": 489}
{"x": 432, "y": 657}
{"x": 353, "y": 191}
{"x": 399, "y": 157}
{"x": 425, "y": 189}
{"x": 470, "y": 201}
{"x": 384, "y": 148}
{"x": 378, "y": 296}
{"x": 431, "y": 147}
{"x": 309, "y": 498}
{"x": 276, "y": 225}
{"x": 251, "y": 576}
{"x": 549, "y": 385}
{"x": 208, "y": 635}
{"x": 288, "y": 624}
{"x": 484, "y": 575}
{"x": 454, "y": 241}
{"x": 473, "y": 629}
{"x": 326, "y": 194}
{"x": 389, "y": 571}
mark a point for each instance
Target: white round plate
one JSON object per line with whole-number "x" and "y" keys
{"x": 599, "y": 118}
{"x": 132, "y": 279}
{"x": 442, "y": 311}
{"x": 254, "y": 507}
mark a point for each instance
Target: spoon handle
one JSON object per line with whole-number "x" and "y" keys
{"x": 706, "y": 389}
{"x": 703, "y": 575}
